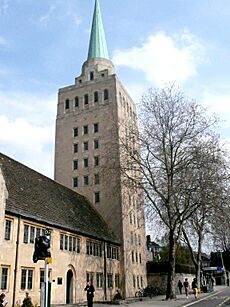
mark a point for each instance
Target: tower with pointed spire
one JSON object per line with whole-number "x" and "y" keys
{"x": 92, "y": 116}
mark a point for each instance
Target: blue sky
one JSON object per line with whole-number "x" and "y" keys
{"x": 44, "y": 43}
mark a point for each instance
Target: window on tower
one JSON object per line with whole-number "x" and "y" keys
{"x": 96, "y": 161}
{"x": 86, "y": 162}
{"x": 75, "y": 132}
{"x": 91, "y": 75}
{"x": 86, "y": 180}
{"x": 86, "y": 100}
{"x": 85, "y": 129}
{"x": 67, "y": 104}
{"x": 86, "y": 146}
{"x": 106, "y": 94}
{"x": 75, "y": 148}
{"x": 75, "y": 164}
{"x": 96, "y": 144}
{"x": 97, "y": 197}
{"x": 75, "y": 182}
{"x": 96, "y": 127}
{"x": 96, "y": 97}
{"x": 76, "y": 102}
{"x": 96, "y": 179}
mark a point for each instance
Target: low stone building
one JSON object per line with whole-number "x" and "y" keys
{"x": 82, "y": 246}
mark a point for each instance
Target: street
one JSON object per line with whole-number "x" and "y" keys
{"x": 220, "y": 297}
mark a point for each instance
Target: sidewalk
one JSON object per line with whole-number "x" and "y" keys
{"x": 159, "y": 301}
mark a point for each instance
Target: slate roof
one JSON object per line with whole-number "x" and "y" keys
{"x": 37, "y": 197}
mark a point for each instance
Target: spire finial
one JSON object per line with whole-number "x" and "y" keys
{"x": 97, "y": 45}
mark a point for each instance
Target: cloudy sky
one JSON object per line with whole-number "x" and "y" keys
{"x": 44, "y": 43}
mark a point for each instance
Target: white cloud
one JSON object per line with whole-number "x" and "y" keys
{"x": 164, "y": 58}
{"x": 27, "y": 129}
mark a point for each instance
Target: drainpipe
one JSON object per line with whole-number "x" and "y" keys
{"x": 16, "y": 261}
{"x": 105, "y": 273}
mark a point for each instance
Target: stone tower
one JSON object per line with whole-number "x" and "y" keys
{"x": 93, "y": 115}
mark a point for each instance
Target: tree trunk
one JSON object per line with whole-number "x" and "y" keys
{"x": 170, "y": 292}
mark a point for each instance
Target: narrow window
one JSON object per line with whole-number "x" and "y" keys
{"x": 110, "y": 280}
{"x": 75, "y": 148}
{"x": 132, "y": 256}
{"x": 96, "y": 161}
{"x": 75, "y": 132}
{"x": 96, "y": 97}
{"x": 61, "y": 241}
{"x": 7, "y": 229}
{"x": 96, "y": 179}
{"x": 106, "y": 94}
{"x": 96, "y": 127}
{"x": 67, "y": 104}
{"x": 30, "y": 280}
{"x": 117, "y": 281}
{"x": 66, "y": 242}
{"x": 99, "y": 280}
{"x": 97, "y": 197}
{"x": 86, "y": 145}
{"x": 32, "y": 234}
{"x": 26, "y": 234}
{"x": 89, "y": 277}
{"x": 86, "y": 99}
{"x": 96, "y": 144}
{"x": 134, "y": 281}
{"x": 86, "y": 180}
{"x": 75, "y": 164}
{"x": 140, "y": 258}
{"x": 38, "y": 232}
{"x": 4, "y": 278}
{"x": 76, "y": 100}
{"x": 70, "y": 244}
{"x": 86, "y": 162}
{"x": 75, "y": 182}
{"x": 91, "y": 75}
{"x": 85, "y": 129}
{"x": 23, "y": 279}
{"x": 138, "y": 283}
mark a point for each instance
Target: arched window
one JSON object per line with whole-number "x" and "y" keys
{"x": 95, "y": 96}
{"x": 76, "y": 102}
{"x": 67, "y": 104}
{"x": 106, "y": 94}
{"x": 86, "y": 99}
{"x": 91, "y": 75}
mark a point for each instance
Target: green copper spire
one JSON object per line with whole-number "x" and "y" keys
{"x": 97, "y": 45}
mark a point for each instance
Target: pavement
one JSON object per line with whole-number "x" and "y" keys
{"x": 159, "y": 301}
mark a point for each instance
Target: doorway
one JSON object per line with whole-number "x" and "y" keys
{"x": 69, "y": 287}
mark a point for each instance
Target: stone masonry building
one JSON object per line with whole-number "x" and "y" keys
{"x": 96, "y": 221}
{"x": 93, "y": 116}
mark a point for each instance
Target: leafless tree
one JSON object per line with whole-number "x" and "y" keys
{"x": 161, "y": 160}
{"x": 212, "y": 176}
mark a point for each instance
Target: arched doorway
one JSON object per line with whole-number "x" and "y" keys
{"x": 69, "y": 287}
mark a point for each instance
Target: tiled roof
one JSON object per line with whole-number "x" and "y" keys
{"x": 37, "y": 197}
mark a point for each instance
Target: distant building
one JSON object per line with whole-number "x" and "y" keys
{"x": 153, "y": 250}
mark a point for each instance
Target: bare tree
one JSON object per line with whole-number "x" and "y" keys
{"x": 210, "y": 182}
{"x": 161, "y": 160}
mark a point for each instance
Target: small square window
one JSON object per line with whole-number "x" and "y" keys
{"x": 86, "y": 145}
{"x": 86, "y": 180}
{"x": 97, "y": 197}
{"x": 96, "y": 144}
{"x": 86, "y": 162}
